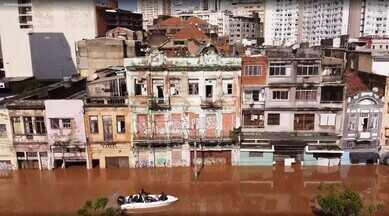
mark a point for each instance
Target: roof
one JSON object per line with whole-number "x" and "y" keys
{"x": 195, "y": 21}
{"x": 190, "y": 33}
{"x": 172, "y": 21}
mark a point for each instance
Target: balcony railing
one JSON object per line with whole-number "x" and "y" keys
{"x": 211, "y": 104}
{"x": 116, "y": 100}
{"x": 159, "y": 103}
{"x": 329, "y": 78}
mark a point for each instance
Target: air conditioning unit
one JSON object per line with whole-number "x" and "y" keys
{"x": 2, "y": 85}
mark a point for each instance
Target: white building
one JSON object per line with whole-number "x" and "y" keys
{"x": 184, "y": 6}
{"x": 38, "y": 37}
{"x": 374, "y": 17}
{"x": 282, "y": 21}
{"x": 151, "y": 9}
{"x": 289, "y": 22}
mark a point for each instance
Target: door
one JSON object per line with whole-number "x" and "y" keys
{"x": 116, "y": 162}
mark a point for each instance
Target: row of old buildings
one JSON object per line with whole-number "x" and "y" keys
{"x": 318, "y": 106}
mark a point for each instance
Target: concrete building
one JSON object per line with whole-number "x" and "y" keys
{"x": 7, "y": 152}
{"x": 151, "y": 9}
{"x": 178, "y": 102}
{"x": 245, "y": 30}
{"x": 108, "y": 120}
{"x": 248, "y": 8}
{"x": 253, "y": 86}
{"x": 290, "y": 22}
{"x": 303, "y": 105}
{"x": 95, "y": 54}
{"x": 108, "y": 19}
{"x": 27, "y": 26}
{"x": 66, "y": 132}
{"x": 184, "y": 6}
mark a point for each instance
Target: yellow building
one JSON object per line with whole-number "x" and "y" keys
{"x": 107, "y": 122}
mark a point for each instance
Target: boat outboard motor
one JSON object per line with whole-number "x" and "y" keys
{"x": 120, "y": 200}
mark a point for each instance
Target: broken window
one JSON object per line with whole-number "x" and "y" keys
{"x": 16, "y": 125}
{"x": 140, "y": 88}
{"x": 327, "y": 119}
{"x": 3, "y": 130}
{"x": 227, "y": 86}
{"x": 120, "y": 124}
{"x": 193, "y": 87}
{"x": 28, "y": 125}
{"x": 253, "y": 118}
{"x": 280, "y": 95}
{"x": 66, "y": 123}
{"x": 40, "y": 126}
{"x": 277, "y": 69}
{"x": 94, "y": 124}
{"x": 175, "y": 87}
{"x": 304, "y": 121}
{"x": 54, "y": 123}
{"x": 273, "y": 119}
{"x": 158, "y": 89}
{"x": 303, "y": 94}
{"x": 107, "y": 128}
{"x": 331, "y": 94}
{"x": 209, "y": 91}
{"x": 307, "y": 70}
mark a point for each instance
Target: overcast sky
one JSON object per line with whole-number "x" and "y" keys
{"x": 128, "y": 5}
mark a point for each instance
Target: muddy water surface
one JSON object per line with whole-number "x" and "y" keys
{"x": 219, "y": 190}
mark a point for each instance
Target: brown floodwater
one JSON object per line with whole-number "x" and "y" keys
{"x": 218, "y": 190}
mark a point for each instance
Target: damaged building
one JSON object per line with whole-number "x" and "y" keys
{"x": 107, "y": 119}
{"x": 182, "y": 104}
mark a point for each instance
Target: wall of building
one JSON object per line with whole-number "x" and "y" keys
{"x": 7, "y": 151}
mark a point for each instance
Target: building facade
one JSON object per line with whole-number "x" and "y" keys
{"x": 151, "y": 9}
{"x": 183, "y": 105}
{"x": 7, "y": 152}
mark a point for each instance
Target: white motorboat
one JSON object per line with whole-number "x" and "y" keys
{"x": 154, "y": 202}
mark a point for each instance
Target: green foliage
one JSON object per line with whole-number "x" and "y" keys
{"x": 336, "y": 200}
{"x": 98, "y": 207}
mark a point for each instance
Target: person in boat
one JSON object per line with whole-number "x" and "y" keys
{"x": 162, "y": 197}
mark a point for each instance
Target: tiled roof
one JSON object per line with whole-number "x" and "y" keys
{"x": 172, "y": 21}
{"x": 195, "y": 21}
{"x": 190, "y": 33}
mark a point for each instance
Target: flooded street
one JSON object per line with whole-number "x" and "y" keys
{"x": 219, "y": 190}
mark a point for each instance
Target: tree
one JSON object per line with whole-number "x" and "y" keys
{"x": 337, "y": 200}
{"x": 98, "y": 207}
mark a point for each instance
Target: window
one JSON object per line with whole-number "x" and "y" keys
{"x": 28, "y": 125}
{"x": 66, "y": 123}
{"x": 107, "y": 128}
{"x": 252, "y": 70}
{"x": 273, "y": 119}
{"x": 307, "y": 70}
{"x": 40, "y": 126}
{"x": 176, "y": 42}
{"x": 253, "y": 118}
{"x": 175, "y": 87}
{"x": 3, "y": 130}
{"x": 16, "y": 125}
{"x": 277, "y": 69}
{"x": 327, "y": 119}
{"x": 54, "y": 123}
{"x": 280, "y": 95}
{"x": 227, "y": 86}
{"x": 209, "y": 91}
{"x": 306, "y": 94}
{"x": 20, "y": 154}
{"x": 304, "y": 121}
{"x": 94, "y": 124}
{"x": 139, "y": 88}
{"x": 120, "y": 124}
{"x": 193, "y": 87}
{"x": 255, "y": 95}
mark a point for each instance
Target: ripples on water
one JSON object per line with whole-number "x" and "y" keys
{"x": 219, "y": 190}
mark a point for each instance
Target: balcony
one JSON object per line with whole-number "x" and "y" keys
{"x": 159, "y": 103}
{"x": 332, "y": 78}
{"x": 107, "y": 101}
{"x": 212, "y": 104}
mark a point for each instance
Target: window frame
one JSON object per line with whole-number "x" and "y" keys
{"x": 120, "y": 118}
{"x": 92, "y": 121}
{"x": 274, "y": 121}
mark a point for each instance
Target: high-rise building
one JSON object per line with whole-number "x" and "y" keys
{"x": 151, "y": 9}
{"x": 184, "y": 6}
{"x": 38, "y": 37}
{"x": 374, "y": 17}
{"x": 288, "y": 22}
